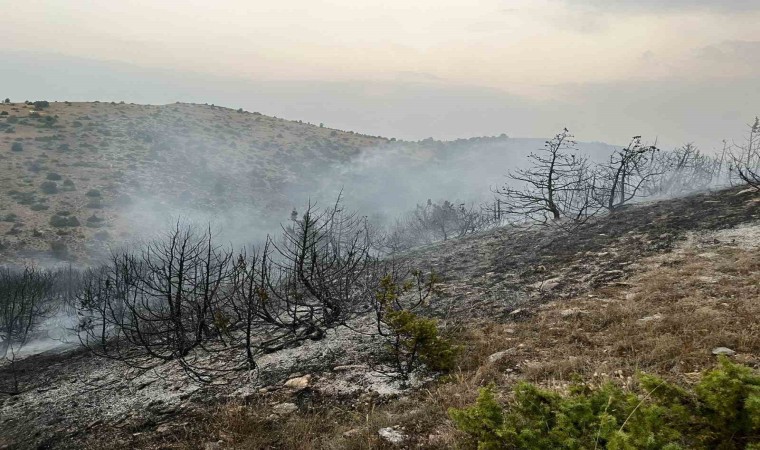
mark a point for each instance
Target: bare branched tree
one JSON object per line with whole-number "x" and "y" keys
{"x": 745, "y": 157}
{"x": 160, "y": 304}
{"x": 556, "y": 186}
{"x": 682, "y": 171}
{"x": 439, "y": 221}
{"x": 623, "y": 178}
{"x": 315, "y": 277}
{"x": 25, "y": 302}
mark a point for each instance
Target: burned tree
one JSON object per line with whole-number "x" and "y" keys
{"x": 682, "y": 170}
{"x": 316, "y": 277}
{"x": 746, "y": 157}
{"x": 556, "y": 186}
{"x": 159, "y": 304}
{"x": 622, "y": 178}
{"x": 439, "y": 221}
{"x": 25, "y": 302}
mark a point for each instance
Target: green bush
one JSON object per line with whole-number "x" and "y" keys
{"x": 93, "y": 193}
{"x": 94, "y": 221}
{"x": 68, "y": 185}
{"x": 52, "y": 176}
{"x": 721, "y": 412}
{"x": 64, "y": 219}
{"x": 49, "y": 187}
{"x": 17, "y": 147}
{"x": 412, "y": 340}
{"x": 419, "y": 337}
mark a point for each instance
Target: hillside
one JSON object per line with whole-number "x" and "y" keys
{"x": 77, "y": 178}
{"x": 654, "y": 287}
{"x": 84, "y": 164}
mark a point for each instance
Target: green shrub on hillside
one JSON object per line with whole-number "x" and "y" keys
{"x": 721, "y": 412}
{"x": 412, "y": 340}
{"x": 64, "y": 219}
{"x": 17, "y": 147}
{"x": 49, "y": 187}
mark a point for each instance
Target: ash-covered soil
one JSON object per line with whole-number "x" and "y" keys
{"x": 74, "y": 400}
{"x": 502, "y": 272}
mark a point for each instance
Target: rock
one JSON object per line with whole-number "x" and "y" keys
{"x": 163, "y": 428}
{"x": 723, "y": 351}
{"x": 298, "y": 383}
{"x": 350, "y": 367}
{"x": 572, "y": 312}
{"x": 707, "y": 279}
{"x": 351, "y": 433}
{"x": 498, "y": 356}
{"x": 284, "y": 409}
{"x": 391, "y": 435}
{"x": 546, "y": 285}
{"x": 212, "y": 445}
{"x": 646, "y": 319}
{"x": 516, "y": 312}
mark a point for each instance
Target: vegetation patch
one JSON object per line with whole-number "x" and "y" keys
{"x": 721, "y": 411}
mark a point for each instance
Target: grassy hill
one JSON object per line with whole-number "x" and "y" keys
{"x": 70, "y": 170}
{"x": 77, "y": 178}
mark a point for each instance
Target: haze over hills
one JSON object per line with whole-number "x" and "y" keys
{"x": 412, "y": 105}
{"x": 80, "y": 177}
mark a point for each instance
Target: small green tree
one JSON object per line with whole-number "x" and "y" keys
{"x": 17, "y": 147}
{"x": 49, "y": 187}
{"x": 413, "y": 341}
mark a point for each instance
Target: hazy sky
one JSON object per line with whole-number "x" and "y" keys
{"x": 687, "y": 63}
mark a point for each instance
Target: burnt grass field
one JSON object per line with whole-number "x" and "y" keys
{"x": 74, "y": 400}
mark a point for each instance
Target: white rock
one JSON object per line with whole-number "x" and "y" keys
{"x": 546, "y": 285}
{"x": 723, "y": 351}
{"x": 646, "y": 319}
{"x": 283, "y": 409}
{"x": 391, "y": 435}
{"x": 351, "y": 433}
{"x": 572, "y": 312}
{"x": 498, "y": 356}
{"x": 298, "y": 383}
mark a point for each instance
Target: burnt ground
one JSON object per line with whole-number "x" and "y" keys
{"x": 500, "y": 273}
{"x": 74, "y": 400}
